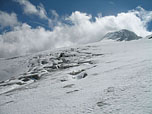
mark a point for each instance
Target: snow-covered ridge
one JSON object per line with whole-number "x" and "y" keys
{"x": 122, "y": 35}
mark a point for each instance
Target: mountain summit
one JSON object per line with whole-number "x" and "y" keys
{"x": 122, "y": 35}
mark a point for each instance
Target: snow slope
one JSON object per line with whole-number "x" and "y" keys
{"x": 101, "y": 78}
{"x": 10, "y": 67}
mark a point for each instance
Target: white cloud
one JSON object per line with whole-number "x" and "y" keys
{"x": 79, "y": 18}
{"x": 42, "y": 12}
{"x": 54, "y": 14}
{"x": 7, "y": 19}
{"x": 24, "y": 39}
{"x": 29, "y": 8}
{"x": 54, "y": 18}
{"x": 145, "y": 16}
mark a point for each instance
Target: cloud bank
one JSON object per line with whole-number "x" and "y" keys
{"x": 83, "y": 28}
{"x": 7, "y": 19}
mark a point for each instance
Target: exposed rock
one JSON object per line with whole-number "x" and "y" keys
{"x": 72, "y": 91}
{"x": 31, "y": 76}
{"x": 68, "y": 86}
{"x": 102, "y": 103}
{"x": 76, "y": 72}
{"x": 44, "y": 62}
{"x": 80, "y": 76}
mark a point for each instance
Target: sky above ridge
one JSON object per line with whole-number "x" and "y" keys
{"x": 28, "y": 26}
{"x": 63, "y": 8}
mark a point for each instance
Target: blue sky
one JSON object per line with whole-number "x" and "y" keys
{"x": 29, "y": 26}
{"x": 66, "y": 7}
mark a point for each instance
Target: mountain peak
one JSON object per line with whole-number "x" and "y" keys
{"x": 122, "y": 35}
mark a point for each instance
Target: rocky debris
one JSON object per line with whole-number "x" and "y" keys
{"x": 60, "y": 61}
{"x": 54, "y": 67}
{"x": 22, "y": 79}
{"x": 50, "y": 68}
{"x": 61, "y": 55}
{"x": 65, "y": 66}
{"x": 82, "y": 62}
{"x": 76, "y": 72}
{"x": 80, "y": 76}
{"x": 12, "y": 82}
{"x": 98, "y": 54}
{"x": 44, "y": 64}
{"x": 2, "y": 82}
{"x": 31, "y": 76}
{"x": 72, "y": 91}
{"x": 68, "y": 86}
{"x": 110, "y": 89}
{"x": 63, "y": 80}
{"x": 102, "y": 103}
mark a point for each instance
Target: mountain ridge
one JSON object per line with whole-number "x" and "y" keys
{"x": 122, "y": 35}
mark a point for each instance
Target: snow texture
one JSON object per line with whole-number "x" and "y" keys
{"x": 107, "y": 77}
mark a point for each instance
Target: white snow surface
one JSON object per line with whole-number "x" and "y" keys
{"x": 107, "y": 77}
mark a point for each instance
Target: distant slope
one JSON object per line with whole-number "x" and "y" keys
{"x": 122, "y": 35}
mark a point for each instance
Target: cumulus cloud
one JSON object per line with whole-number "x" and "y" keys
{"x": 83, "y": 28}
{"x": 145, "y": 16}
{"x": 7, "y": 19}
{"x": 23, "y": 39}
{"x": 31, "y": 9}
